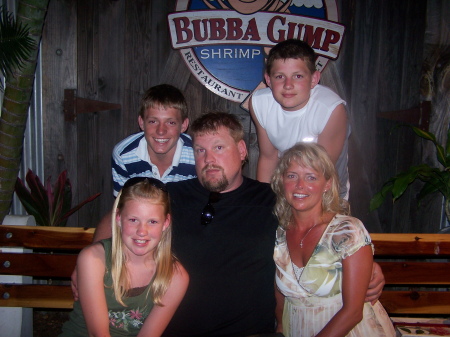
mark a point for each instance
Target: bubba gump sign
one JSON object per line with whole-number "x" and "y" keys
{"x": 224, "y": 42}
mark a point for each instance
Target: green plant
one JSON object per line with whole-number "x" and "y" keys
{"x": 435, "y": 179}
{"x": 16, "y": 102}
{"x": 15, "y": 43}
{"x": 50, "y": 206}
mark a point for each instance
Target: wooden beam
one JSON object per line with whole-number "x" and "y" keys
{"x": 38, "y": 265}
{"x": 416, "y": 302}
{"x": 412, "y": 244}
{"x": 36, "y": 296}
{"x": 45, "y": 237}
{"x": 417, "y": 273}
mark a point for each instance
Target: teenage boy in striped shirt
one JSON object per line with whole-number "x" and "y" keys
{"x": 161, "y": 150}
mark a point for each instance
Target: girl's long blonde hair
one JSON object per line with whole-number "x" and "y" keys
{"x": 314, "y": 156}
{"x": 152, "y": 191}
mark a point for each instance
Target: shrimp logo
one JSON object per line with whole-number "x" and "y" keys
{"x": 224, "y": 42}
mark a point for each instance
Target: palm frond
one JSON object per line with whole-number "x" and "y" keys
{"x": 15, "y": 43}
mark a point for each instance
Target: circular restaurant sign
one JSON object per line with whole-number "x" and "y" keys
{"x": 224, "y": 42}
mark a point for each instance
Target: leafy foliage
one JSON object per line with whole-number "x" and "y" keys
{"x": 50, "y": 206}
{"x": 15, "y": 42}
{"x": 435, "y": 179}
{"x": 16, "y": 102}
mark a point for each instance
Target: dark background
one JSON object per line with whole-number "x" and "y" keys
{"x": 112, "y": 51}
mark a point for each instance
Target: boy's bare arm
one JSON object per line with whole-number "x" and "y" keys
{"x": 334, "y": 134}
{"x": 267, "y": 160}
{"x": 268, "y": 154}
{"x": 103, "y": 230}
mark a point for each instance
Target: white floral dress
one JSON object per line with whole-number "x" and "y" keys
{"x": 311, "y": 302}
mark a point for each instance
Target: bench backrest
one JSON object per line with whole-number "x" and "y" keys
{"x": 417, "y": 272}
{"x": 54, "y": 256}
{"x": 418, "y": 263}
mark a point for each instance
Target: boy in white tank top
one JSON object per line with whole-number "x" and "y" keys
{"x": 296, "y": 108}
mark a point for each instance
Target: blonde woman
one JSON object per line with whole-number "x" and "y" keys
{"x": 323, "y": 256}
{"x": 131, "y": 284}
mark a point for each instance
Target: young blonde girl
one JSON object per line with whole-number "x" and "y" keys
{"x": 131, "y": 284}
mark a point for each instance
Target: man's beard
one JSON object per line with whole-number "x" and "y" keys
{"x": 215, "y": 185}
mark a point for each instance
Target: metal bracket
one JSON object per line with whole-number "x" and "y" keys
{"x": 74, "y": 105}
{"x": 419, "y": 115}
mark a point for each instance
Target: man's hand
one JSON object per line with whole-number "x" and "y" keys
{"x": 376, "y": 284}
{"x": 74, "y": 285}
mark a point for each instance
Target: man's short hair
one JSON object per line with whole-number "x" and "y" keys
{"x": 212, "y": 121}
{"x": 292, "y": 49}
{"x": 166, "y": 96}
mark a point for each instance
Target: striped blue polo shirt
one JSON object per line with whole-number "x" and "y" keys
{"x": 130, "y": 159}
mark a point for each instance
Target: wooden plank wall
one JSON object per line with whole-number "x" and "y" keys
{"x": 381, "y": 68}
{"x": 58, "y": 53}
{"x": 113, "y": 51}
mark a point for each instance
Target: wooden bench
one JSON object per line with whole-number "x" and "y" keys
{"x": 54, "y": 256}
{"x": 416, "y": 262}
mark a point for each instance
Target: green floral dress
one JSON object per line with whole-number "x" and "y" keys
{"x": 123, "y": 321}
{"x": 313, "y": 298}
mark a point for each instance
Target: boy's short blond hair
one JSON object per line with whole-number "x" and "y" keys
{"x": 166, "y": 96}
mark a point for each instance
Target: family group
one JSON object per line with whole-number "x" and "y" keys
{"x": 192, "y": 247}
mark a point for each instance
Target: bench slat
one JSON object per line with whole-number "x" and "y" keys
{"x": 36, "y": 296}
{"x": 45, "y": 237}
{"x": 37, "y": 265}
{"x": 410, "y": 244}
{"x": 406, "y": 272}
{"x": 416, "y": 302}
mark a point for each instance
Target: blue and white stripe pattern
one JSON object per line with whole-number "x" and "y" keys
{"x": 130, "y": 159}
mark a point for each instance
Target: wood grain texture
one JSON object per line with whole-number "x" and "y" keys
{"x": 416, "y": 302}
{"x": 416, "y": 268}
{"x": 38, "y": 265}
{"x": 59, "y": 63}
{"x": 36, "y": 296}
{"x": 45, "y": 237}
{"x": 436, "y": 245}
{"x": 416, "y": 273}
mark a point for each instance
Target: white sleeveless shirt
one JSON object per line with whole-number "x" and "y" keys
{"x": 286, "y": 128}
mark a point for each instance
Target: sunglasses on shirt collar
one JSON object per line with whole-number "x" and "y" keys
{"x": 209, "y": 211}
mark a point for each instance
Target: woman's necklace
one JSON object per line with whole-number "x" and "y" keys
{"x": 309, "y": 230}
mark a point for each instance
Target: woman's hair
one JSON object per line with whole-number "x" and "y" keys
{"x": 153, "y": 192}
{"x": 313, "y": 156}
